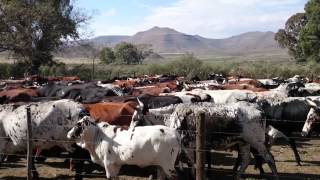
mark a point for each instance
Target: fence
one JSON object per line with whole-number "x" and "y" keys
{"x": 199, "y": 149}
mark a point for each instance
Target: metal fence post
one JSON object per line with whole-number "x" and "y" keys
{"x": 29, "y": 144}
{"x": 200, "y": 145}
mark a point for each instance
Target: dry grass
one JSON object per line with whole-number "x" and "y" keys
{"x": 309, "y": 150}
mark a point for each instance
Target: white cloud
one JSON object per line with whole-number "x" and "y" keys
{"x": 215, "y": 18}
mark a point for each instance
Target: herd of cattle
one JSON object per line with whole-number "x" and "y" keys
{"x": 148, "y": 121}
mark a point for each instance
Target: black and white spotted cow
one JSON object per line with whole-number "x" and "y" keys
{"x": 112, "y": 147}
{"x": 227, "y": 125}
{"x": 50, "y": 120}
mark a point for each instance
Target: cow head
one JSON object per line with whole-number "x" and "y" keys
{"x": 82, "y": 131}
{"x": 138, "y": 114}
{"x": 313, "y": 118}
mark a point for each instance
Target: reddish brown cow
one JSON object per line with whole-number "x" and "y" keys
{"x": 114, "y": 113}
{"x": 15, "y": 95}
{"x": 125, "y": 83}
{"x": 172, "y": 85}
{"x": 14, "y": 84}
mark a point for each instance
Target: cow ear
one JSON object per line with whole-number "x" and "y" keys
{"x": 311, "y": 103}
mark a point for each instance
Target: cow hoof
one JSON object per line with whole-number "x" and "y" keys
{"x": 299, "y": 164}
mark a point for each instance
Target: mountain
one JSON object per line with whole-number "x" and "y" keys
{"x": 167, "y": 40}
{"x": 108, "y": 40}
{"x": 250, "y": 42}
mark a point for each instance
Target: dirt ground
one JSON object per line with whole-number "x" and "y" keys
{"x": 55, "y": 168}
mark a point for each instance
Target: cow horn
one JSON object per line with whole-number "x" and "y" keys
{"x": 140, "y": 103}
{"x": 311, "y": 103}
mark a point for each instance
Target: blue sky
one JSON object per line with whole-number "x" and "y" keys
{"x": 208, "y": 18}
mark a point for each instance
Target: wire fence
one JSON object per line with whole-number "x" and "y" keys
{"x": 192, "y": 132}
{"x": 223, "y": 172}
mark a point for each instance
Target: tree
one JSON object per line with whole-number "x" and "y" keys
{"x": 32, "y": 29}
{"x": 187, "y": 65}
{"x": 310, "y": 34}
{"x": 107, "y": 56}
{"x": 128, "y": 53}
{"x": 289, "y": 36}
{"x": 89, "y": 52}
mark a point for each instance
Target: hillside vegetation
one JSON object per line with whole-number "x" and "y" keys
{"x": 186, "y": 65}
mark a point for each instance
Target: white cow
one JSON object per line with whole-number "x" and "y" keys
{"x": 190, "y": 97}
{"x": 51, "y": 122}
{"x": 112, "y": 147}
{"x": 241, "y": 123}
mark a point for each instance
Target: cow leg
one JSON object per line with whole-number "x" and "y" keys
{"x": 238, "y": 160}
{"x": 275, "y": 134}
{"x": 184, "y": 173}
{"x": 271, "y": 163}
{"x": 257, "y": 157}
{"x": 112, "y": 170}
{"x": 161, "y": 175}
{"x": 293, "y": 146}
{"x": 35, "y": 174}
{"x": 208, "y": 159}
{"x": 258, "y": 160}
{"x": 268, "y": 157}
{"x": 78, "y": 156}
{"x": 245, "y": 159}
{"x": 2, "y": 158}
{"x": 38, "y": 157}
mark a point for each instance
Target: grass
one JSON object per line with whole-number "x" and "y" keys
{"x": 255, "y": 66}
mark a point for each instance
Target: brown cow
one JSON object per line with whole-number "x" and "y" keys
{"x": 173, "y": 85}
{"x": 113, "y": 113}
{"x": 125, "y": 83}
{"x": 15, "y": 95}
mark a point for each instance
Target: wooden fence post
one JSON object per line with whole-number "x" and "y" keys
{"x": 200, "y": 145}
{"x": 29, "y": 144}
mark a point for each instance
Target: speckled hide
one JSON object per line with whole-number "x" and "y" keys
{"x": 111, "y": 147}
{"x": 50, "y": 124}
{"x": 239, "y": 123}
{"x": 224, "y": 123}
{"x": 233, "y": 119}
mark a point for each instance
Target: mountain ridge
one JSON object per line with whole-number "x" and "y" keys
{"x": 164, "y": 40}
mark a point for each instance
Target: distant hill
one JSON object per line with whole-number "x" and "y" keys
{"x": 108, "y": 40}
{"x": 167, "y": 40}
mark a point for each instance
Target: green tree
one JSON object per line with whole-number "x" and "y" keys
{"x": 127, "y": 53}
{"x": 310, "y": 34}
{"x": 289, "y": 36}
{"x": 32, "y": 29}
{"x": 107, "y": 56}
{"x": 187, "y": 65}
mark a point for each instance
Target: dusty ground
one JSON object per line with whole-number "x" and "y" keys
{"x": 55, "y": 168}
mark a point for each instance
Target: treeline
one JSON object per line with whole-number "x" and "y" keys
{"x": 187, "y": 66}
{"x": 125, "y": 53}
